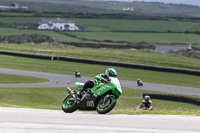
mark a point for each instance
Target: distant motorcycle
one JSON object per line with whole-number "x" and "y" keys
{"x": 139, "y": 83}
{"x": 102, "y": 97}
{"x": 78, "y": 75}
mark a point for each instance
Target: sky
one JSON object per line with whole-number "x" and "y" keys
{"x": 188, "y": 2}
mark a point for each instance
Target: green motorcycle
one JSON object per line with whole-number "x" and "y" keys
{"x": 102, "y": 97}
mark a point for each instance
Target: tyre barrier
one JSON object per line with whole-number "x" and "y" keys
{"x": 191, "y": 100}
{"x": 36, "y": 56}
{"x": 129, "y": 65}
{"x": 109, "y": 63}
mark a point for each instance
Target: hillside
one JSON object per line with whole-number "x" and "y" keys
{"x": 133, "y": 8}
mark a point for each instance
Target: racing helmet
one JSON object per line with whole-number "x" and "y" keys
{"x": 111, "y": 72}
{"x": 147, "y": 98}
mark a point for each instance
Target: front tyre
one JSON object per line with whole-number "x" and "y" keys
{"x": 69, "y": 105}
{"x": 107, "y": 106}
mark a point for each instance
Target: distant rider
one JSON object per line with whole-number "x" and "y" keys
{"x": 146, "y": 104}
{"x": 103, "y": 78}
{"x": 77, "y": 73}
{"x": 139, "y": 82}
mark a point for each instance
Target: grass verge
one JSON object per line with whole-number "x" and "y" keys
{"x": 18, "y": 79}
{"x": 52, "y": 98}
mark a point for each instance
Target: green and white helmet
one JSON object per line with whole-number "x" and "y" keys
{"x": 110, "y": 72}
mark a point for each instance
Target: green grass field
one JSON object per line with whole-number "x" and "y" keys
{"x": 92, "y": 24}
{"x": 15, "y": 31}
{"x": 17, "y": 79}
{"x": 119, "y": 55}
{"x": 114, "y": 30}
{"x": 152, "y": 38}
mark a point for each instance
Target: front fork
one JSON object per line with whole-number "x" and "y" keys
{"x": 106, "y": 98}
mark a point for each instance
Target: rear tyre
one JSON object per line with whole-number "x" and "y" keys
{"x": 69, "y": 105}
{"x": 103, "y": 108}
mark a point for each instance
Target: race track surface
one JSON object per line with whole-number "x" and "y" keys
{"x": 21, "y": 120}
{"x": 63, "y": 80}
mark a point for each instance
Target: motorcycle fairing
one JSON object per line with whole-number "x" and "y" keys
{"x": 88, "y": 102}
{"x": 102, "y": 88}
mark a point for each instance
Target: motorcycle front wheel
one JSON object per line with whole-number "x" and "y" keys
{"x": 103, "y": 108}
{"x": 69, "y": 105}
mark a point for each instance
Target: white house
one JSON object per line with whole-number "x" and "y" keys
{"x": 128, "y": 9}
{"x": 58, "y": 24}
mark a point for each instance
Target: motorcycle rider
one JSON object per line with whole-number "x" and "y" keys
{"x": 139, "y": 82}
{"x": 104, "y": 78}
{"x": 76, "y": 73}
{"x": 146, "y": 103}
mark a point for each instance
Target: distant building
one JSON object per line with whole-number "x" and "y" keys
{"x": 13, "y": 7}
{"x": 190, "y": 46}
{"x": 128, "y": 9}
{"x": 58, "y": 24}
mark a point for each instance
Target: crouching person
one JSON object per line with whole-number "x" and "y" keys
{"x": 146, "y": 104}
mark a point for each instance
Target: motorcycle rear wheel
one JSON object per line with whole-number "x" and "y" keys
{"x": 107, "y": 106}
{"x": 69, "y": 105}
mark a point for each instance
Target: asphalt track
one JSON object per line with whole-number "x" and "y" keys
{"x": 21, "y": 120}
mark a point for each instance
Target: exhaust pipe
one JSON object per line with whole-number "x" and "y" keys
{"x": 71, "y": 93}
